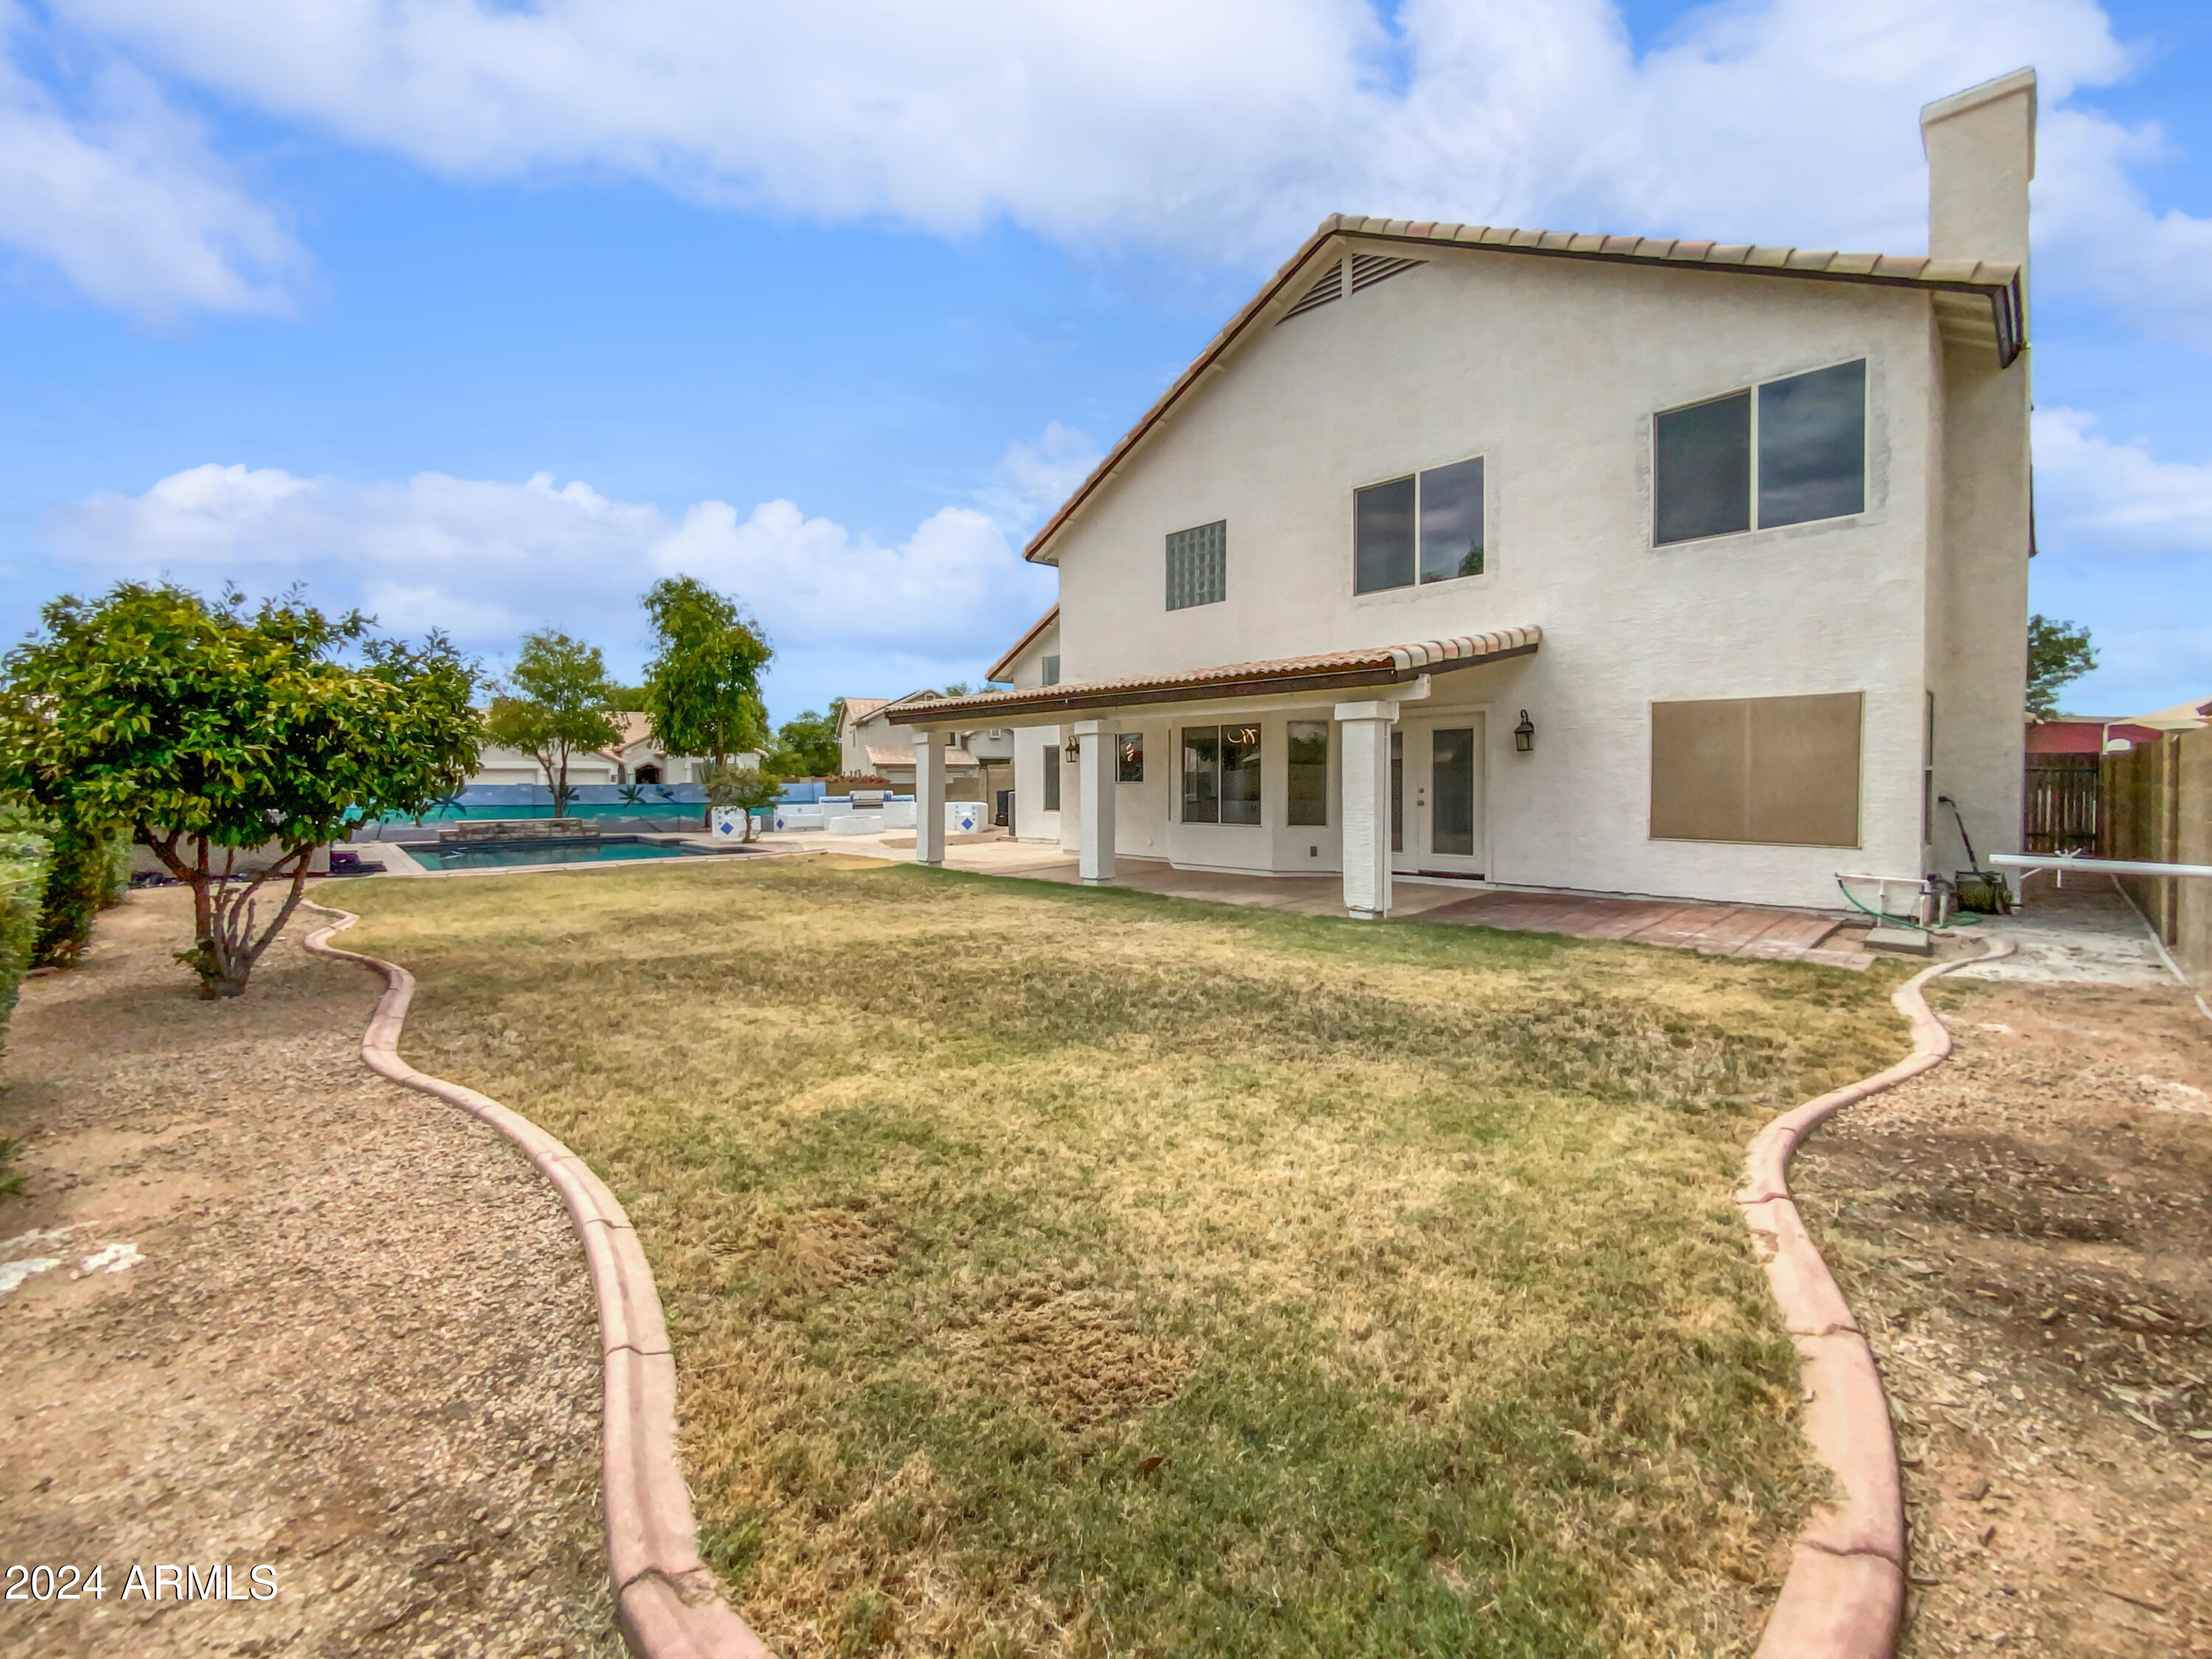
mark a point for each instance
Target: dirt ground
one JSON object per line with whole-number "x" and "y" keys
{"x": 2026, "y": 1233}
{"x": 295, "y": 1317}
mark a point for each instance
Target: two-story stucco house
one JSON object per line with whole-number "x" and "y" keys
{"x": 868, "y": 745}
{"x": 1567, "y": 561}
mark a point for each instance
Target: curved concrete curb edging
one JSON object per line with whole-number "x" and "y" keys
{"x": 667, "y": 1601}
{"x": 1845, "y": 1589}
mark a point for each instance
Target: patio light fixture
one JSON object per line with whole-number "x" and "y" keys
{"x": 1524, "y": 735}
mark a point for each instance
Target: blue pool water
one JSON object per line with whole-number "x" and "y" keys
{"x": 609, "y": 851}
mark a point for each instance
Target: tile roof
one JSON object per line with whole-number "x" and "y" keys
{"x": 1382, "y": 664}
{"x": 1973, "y": 298}
{"x": 901, "y": 754}
{"x": 1005, "y": 665}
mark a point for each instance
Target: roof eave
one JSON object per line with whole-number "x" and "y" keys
{"x": 1005, "y": 665}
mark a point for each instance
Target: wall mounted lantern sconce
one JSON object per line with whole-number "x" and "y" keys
{"x": 1524, "y": 735}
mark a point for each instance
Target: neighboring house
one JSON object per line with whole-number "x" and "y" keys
{"x": 634, "y": 757}
{"x": 2182, "y": 717}
{"x": 1567, "y": 561}
{"x": 870, "y": 745}
{"x": 2084, "y": 734}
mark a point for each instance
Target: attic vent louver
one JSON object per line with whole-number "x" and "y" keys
{"x": 1369, "y": 269}
{"x": 1330, "y": 287}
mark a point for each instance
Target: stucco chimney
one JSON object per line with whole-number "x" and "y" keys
{"x": 1981, "y": 154}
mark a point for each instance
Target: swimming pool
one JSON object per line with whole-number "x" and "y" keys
{"x": 506, "y": 855}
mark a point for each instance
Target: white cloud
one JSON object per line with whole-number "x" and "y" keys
{"x": 128, "y": 202}
{"x": 1033, "y": 479}
{"x": 485, "y": 560}
{"x": 2100, "y": 499}
{"x": 1221, "y": 130}
{"x": 2097, "y": 234}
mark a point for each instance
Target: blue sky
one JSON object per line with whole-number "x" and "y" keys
{"x": 485, "y": 316}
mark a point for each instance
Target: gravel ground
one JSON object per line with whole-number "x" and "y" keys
{"x": 297, "y": 1318}
{"x": 2026, "y": 1234}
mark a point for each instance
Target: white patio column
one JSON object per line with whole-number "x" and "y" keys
{"x": 1367, "y": 806}
{"x": 928, "y": 797}
{"x": 1094, "y": 782}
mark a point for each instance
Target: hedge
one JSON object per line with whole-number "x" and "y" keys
{"x": 85, "y": 875}
{"x": 24, "y": 859}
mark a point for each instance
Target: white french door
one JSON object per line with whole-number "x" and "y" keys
{"x": 1436, "y": 819}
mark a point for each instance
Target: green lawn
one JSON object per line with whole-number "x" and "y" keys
{"x": 1057, "y": 1271}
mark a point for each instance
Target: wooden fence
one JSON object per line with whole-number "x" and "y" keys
{"x": 2157, "y": 806}
{"x": 2062, "y": 809}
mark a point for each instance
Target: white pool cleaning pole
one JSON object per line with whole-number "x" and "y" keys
{"x": 2062, "y": 862}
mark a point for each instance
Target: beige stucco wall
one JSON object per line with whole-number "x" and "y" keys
{"x": 1552, "y": 370}
{"x": 1981, "y": 157}
{"x": 501, "y": 765}
{"x": 1032, "y": 820}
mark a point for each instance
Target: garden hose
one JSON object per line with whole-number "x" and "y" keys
{"x": 1959, "y": 918}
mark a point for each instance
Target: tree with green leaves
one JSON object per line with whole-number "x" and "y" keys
{"x": 746, "y": 788}
{"x": 556, "y": 704}
{"x": 2058, "y": 653}
{"x": 808, "y": 747}
{"x": 702, "y": 686}
{"x": 210, "y": 731}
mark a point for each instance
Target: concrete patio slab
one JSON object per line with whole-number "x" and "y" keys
{"x": 2081, "y": 933}
{"x": 1715, "y": 929}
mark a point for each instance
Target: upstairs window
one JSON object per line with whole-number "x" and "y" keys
{"x": 1198, "y": 565}
{"x": 1790, "y": 452}
{"x": 1048, "y": 671}
{"x": 1426, "y": 528}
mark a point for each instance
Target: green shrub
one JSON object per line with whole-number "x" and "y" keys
{"x": 80, "y": 883}
{"x": 23, "y": 864}
{"x": 117, "y": 883}
{"x": 84, "y": 876}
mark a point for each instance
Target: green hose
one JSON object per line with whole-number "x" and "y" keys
{"x": 1959, "y": 919}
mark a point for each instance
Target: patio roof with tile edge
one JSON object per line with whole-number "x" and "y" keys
{"x": 1320, "y": 672}
{"x": 1978, "y": 283}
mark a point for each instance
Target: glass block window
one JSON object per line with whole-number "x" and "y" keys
{"x": 1129, "y": 757}
{"x": 1052, "y": 777}
{"x": 1198, "y": 566}
{"x": 1790, "y": 450}
{"x": 1309, "y": 771}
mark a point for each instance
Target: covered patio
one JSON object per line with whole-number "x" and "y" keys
{"x": 1356, "y": 795}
